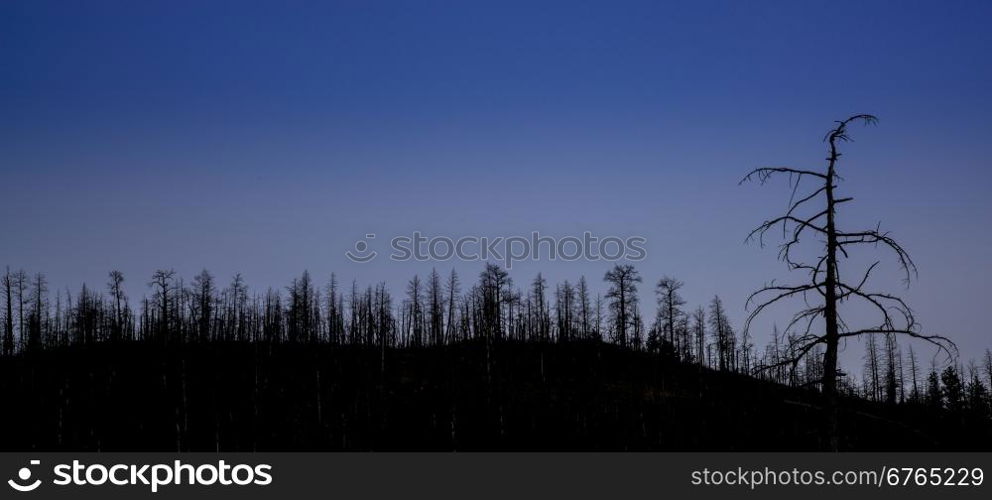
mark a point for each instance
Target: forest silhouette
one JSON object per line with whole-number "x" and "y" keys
{"x": 488, "y": 365}
{"x": 200, "y": 367}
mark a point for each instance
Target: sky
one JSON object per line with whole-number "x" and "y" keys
{"x": 268, "y": 137}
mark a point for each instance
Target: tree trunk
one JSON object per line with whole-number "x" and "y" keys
{"x": 830, "y": 315}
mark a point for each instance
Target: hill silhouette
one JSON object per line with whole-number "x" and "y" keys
{"x": 473, "y": 395}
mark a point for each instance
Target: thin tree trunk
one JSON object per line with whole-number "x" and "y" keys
{"x": 830, "y": 314}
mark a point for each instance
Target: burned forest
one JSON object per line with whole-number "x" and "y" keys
{"x": 486, "y": 365}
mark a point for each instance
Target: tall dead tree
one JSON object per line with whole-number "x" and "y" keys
{"x": 116, "y": 288}
{"x": 668, "y": 312}
{"x": 813, "y": 214}
{"x": 435, "y": 309}
{"x": 415, "y": 307}
{"x": 203, "y": 302}
{"x": 37, "y": 316}
{"x": 20, "y": 288}
{"x": 723, "y": 336}
{"x": 585, "y": 308}
{"x": 453, "y": 292}
{"x": 162, "y": 283}
{"x": 8, "y": 317}
{"x": 699, "y": 334}
{"x": 914, "y": 372}
{"x": 873, "y": 385}
{"x": 623, "y": 280}
{"x": 541, "y": 327}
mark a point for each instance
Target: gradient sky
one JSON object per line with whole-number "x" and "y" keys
{"x": 267, "y": 138}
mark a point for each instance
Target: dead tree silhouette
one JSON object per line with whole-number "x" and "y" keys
{"x": 824, "y": 277}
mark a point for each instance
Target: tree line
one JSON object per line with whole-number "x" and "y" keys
{"x": 437, "y": 311}
{"x": 433, "y": 311}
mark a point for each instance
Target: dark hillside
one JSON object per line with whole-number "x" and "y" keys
{"x": 582, "y": 395}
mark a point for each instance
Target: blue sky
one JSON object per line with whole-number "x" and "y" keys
{"x": 266, "y": 138}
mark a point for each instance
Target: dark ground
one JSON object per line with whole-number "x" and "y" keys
{"x": 576, "y": 396}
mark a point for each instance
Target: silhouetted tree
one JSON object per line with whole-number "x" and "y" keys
{"x": 565, "y": 311}
{"x": 585, "y": 309}
{"x": 235, "y": 298}
{"x": 415, "y": 308}
{"x": 872, "y": 379}
{"x": 893, "y": 377}
{"x": 335, "y": 312}
{"x": 636, "y": 340}
{"x": 303, "y": 311}
{"x": 953, "y": 390}
{"x": 745, "y": 361}
{"x": 723, "y": 333}
{"x": 669, "y": 308}
{"x": 20, "y": 289}
{"x": 435, "y": 298}
{"x": 979, "y": 409}
{"x": 623, "y": 280}
{"x": 495, "y": 293}
{"x": 914, "y": 373}
{"x": 162, "y": 283}
{"x": 935, "y": 399}
{"x": 540, "y": 315}
{"x": 202, "y": 305}
{"x": 121, "y": 313}
{"x": 453, "y": 292}
{"x": 37, "y": 316}
{"x": 826, "y": 284}
{"x": 8, "y": 323}
{"x": 699, "y": 334}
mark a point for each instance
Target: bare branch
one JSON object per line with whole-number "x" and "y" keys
{"x": 874, "y": 237}
{"x": 943, "y": 344}
{"x": 764, "y": 173}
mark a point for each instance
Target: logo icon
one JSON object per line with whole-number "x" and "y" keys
{"x": 24, "y": 475}
{"x": 362, "y": 253}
